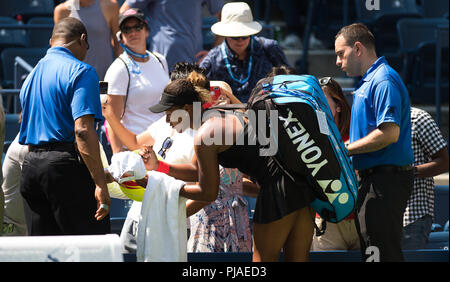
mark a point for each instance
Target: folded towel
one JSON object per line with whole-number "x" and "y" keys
{"x": 161, "y": 232}
{"x": 127, "y": 166}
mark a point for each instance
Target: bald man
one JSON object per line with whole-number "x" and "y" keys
{"x": 62, "y": 179}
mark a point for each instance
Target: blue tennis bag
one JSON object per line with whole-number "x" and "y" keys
{"x": 309, "y": 142}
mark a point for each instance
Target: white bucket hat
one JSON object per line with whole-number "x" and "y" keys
{"x": 236, "y": 21}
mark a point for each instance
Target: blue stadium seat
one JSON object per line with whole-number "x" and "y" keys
{"x": 331, "y": 17}
{"x": 446, "y": 226}
{"x": 118, "y": 214}
{"x": 11, "y": 37}
{"x": 438, "y": 240}
{"x": 8, "y": 55}
{"x": 441, "y": 203}
{"x": 33, "y": 8}
{"x": 434, "y": 8}
{"x": 40, "y": 37}
{"x": 381, "y": 21}
{"x": 6, "y": 8}
{"x": 419, "y": 53}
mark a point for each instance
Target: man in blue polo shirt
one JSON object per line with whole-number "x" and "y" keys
{"x": 62, "y": 180}
{"x": 380, "y": 143}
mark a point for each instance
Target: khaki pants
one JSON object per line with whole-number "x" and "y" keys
{"x": 337, "y": 236}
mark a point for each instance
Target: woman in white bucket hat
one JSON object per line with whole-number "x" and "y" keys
{"x": 243, "y": 58}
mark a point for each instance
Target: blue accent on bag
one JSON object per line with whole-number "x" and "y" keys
{"x": 341, "y": 194}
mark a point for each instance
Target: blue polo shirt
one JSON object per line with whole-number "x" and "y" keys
{"x": 380, "y": 97}
{"x": 59, "y": 90}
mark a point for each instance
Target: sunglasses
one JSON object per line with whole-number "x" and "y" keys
{"x": 165, "y": 146}
{"x": 239, "y": 37}
{"x": 325, "y": 80}
{"x": 128, "y": 29}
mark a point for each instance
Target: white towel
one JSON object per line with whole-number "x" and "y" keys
{"x": 127, "y": 163}
{"x": 161, "y": 232}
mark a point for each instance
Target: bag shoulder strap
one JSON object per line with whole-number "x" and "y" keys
{"x": 159, "y": 59}
{"x": 128, "y": 87}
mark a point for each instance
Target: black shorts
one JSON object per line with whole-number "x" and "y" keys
{"x": 280, "y": 196}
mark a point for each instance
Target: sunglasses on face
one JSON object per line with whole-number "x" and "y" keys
{"x": 241, "y": 38}
{"x": 165, "y": 146}
{"x": 128, "y": 29}
{"x": 324, "y": 81}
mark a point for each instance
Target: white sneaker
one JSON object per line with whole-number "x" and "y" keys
{"x": 315, "y": 43}
{"x": 291, "y": 41}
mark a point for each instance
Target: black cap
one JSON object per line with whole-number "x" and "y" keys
{"x": 132, "y": 13}
{"x": 168, "y": 101}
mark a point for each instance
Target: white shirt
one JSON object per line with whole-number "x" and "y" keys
{"x": 145, "y": 90}
{"x": 181, "y": 151}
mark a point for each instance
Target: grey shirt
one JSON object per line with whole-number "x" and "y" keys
{"x": 100, "y": 53}
{"x": 176, "y": 26}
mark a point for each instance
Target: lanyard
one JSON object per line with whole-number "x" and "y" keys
{"x": 132, "y": 65}
{"x": 228, "y": 66}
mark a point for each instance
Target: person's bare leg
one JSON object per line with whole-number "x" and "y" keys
{"x": 299, "y": 240}
{"x": 269, "y": 238}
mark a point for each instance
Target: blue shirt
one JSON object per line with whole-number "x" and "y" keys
{"x": 59, "y": 90}
{"x": 266, "y": 54}
{"x": 381, "y": 97}
{"x": 176, "y": 26}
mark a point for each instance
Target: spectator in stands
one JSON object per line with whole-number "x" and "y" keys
{"x": 341, "y": 235}
{"x": 136, "y": 78}
{"x": 430, "y": 159}
{"x": 176, "y": 27}
{"x": 242, "y": 59}
{"x": 380, "y": 142}
{"x": 102, "y": 29}
{"x": 62, "y": 175}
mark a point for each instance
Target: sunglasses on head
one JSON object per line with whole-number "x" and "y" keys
{"x": 165, "y": 146}
{"x": 324, "y": 80}
{"x": 128, "y": 29}
{"x": 240, "y": 37}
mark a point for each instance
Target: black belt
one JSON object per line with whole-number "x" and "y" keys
{"x": 384, "y": 169}
{"x": 56, "y": 146}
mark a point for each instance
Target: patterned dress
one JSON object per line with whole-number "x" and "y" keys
{"x": 223, "y": 226}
